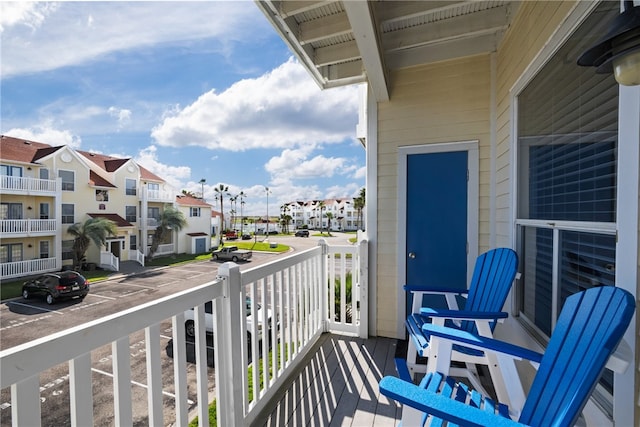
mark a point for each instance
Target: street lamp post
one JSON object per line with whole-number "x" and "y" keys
{"x": 202, "y": 181}
{"x": 266, "y": 189}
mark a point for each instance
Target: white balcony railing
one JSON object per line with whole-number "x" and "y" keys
{"x": 28, "y": 226}
{"x": 109, "y": 261}
{"x": 29, "y": 267}
{"x": 27, "y": 185}
{"x": 160, "y": 196}
{"x": 293, "y": 288}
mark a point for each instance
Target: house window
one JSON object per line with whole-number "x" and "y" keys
{"x": 44, "y": 173}
{"x": 102, "y": 196}
{"x": 44, "y": 210}
{"x": 130, "y": 187}
{"x": 131, "y": 213}
{"x": 567, "y": 163}
{"x": 194, "y": 212}
{"x": 10, "y": 210}
{"x": 153, "y": 213}
{"x": 67, "y": 249}
{"x": 11, "y": 252}
{"x": 44, "y": 249}
{"x": 10, "y": 170}
{"x": 68, "y": 180}
{"x": 68, "y": 213}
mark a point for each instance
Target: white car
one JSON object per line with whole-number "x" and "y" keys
{"x": 190, "y": 326}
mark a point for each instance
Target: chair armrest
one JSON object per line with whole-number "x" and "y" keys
{"x": 481, "y": 343}
{"x": 463, "y": 314}
{"x": 440, "y": 406}
{"x": 434, "y": 290}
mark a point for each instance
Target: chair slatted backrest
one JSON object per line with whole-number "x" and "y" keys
{"x": 493, "y": 275}
{"x": 590, "y": 326}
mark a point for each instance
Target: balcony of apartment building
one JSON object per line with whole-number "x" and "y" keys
{"x": 323, "y": 365}
{"x": 22, "y": 185}
{"x": 155, "y": 194}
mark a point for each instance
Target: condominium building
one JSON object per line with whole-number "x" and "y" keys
{"x": 45, "y": 189}
{"x": 313, "y": 214}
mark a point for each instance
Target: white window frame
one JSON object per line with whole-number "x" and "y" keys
{"x": 63, "y": 182}
{"x": 628, "y": 196}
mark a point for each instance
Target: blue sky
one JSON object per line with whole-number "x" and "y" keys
{"x": 190, "y": 90}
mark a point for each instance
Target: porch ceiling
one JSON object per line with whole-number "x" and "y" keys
{"x": 346, "y": 42}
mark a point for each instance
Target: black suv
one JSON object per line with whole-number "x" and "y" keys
{"x": 67, "y": 284}
{"x": 302, "y": 233}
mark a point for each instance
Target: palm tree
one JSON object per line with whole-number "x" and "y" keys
{"x": 358, "y": 204}
{"x": 221, "y": 190}
{"x": 329, "y": 216}
{"x": 170, "y": 219}
{"x": 93, "y": 230}
{"x": 285, "y": 220}
{"x": 320, "y": 205}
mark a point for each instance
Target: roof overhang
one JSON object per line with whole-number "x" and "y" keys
{"x": 346, "y": 42}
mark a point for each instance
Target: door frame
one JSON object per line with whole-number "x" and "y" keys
{"x": 471, "y": 147}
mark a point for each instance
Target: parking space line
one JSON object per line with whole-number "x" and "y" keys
{"x": 102, "y": 296}
{"x": 36, "y": 307}
{"x": 137, "y": 286}
{"x": 166, "y": 393}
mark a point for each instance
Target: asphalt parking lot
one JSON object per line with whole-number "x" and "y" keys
{"x": 25, "y": 320}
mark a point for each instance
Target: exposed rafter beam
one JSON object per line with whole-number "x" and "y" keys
{"x": 443, "y": 51}
{"x": 407, "y": 9}
{"x": 344, "y": 52}
{"x": 365, "y": 34}
{"x": 322, "y": 28}
{"x": 485, "y": 21}
{"x": 290, "y": 7}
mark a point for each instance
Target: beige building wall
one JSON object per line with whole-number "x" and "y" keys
{"x": 444, "y": 102}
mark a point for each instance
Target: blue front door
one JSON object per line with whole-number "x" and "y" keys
{"x": 437, "y": 186}
{"x": 201, "y": 246}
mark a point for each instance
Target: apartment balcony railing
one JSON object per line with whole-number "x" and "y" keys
{"x": 9, "y": 270}
{"x": 27, "y": 227}
{"x": 27, "y": 185}
{"x": 159, "y": 196}
{"x": 306, "y": 294}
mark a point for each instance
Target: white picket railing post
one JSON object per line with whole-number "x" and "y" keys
{"x": 363, "y": 288}
{"x": 228, "y": 342}
{"x": 324, "y": 305}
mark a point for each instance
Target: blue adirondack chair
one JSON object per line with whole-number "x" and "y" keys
{"x": 590, "y": 327}
{"x": 492, "y": 278}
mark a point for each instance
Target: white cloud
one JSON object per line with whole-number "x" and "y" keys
{"x": 174, "y": 175}
{"x": 281, "y": 109}
{"x": 28, "y": 14}
{"x": 45, "y": 133}
{"x": 88, "y": 30}
{"x": 122, "y": 114}
{"x": 293, "y": 164}
{"x": 360, "y": 173}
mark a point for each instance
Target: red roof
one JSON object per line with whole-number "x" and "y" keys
{"x": 197, "y": 234}
{"x": 148, "y": 175}
{"x": 99, "y": 181}
{"x": 108, "y": 163}
{"x": 21, "y": 150}
{"x": 120, "y": 222}
{"x": 185, "y": 200}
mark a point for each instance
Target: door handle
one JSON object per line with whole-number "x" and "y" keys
{"x": 412, "y": 255}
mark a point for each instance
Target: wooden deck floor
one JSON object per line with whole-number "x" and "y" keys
{"x": 338, "y": 386}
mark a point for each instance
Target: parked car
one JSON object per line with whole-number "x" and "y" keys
{"x": 55, "y": 286}
{"x": 231, "y": 253}
{"x": 302, "y": 233}
{"x": 246, "y": 236}
{"x": 190, "y": 326}
{"x": 231, "y": 235}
